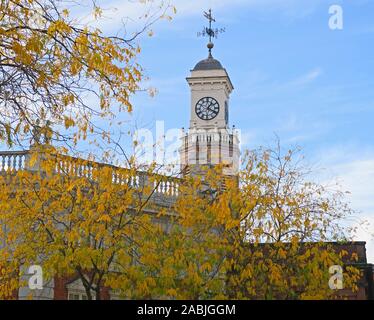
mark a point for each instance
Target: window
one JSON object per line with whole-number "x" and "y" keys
{"x": 76, "y": 291}
{"x": 77, "y": 296}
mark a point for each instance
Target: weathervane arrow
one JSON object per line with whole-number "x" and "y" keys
{"x": 209, "y": 31}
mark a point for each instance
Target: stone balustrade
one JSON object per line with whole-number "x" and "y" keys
{"x": 163, "y": 186}
{"x": 12, "y": 161}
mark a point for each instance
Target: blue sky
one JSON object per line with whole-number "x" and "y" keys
{"x": 293, "y": 76}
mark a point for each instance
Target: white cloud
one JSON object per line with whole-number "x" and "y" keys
{"x": 288, "y": 7}
{"x": 247, "y": 138}
{"x": 356, "y": 175}
{"x": 118, "y": 12}
{"x": 359, "y": 176}
{"x": 261, "y": 86}
{"x": 305, "y": 78}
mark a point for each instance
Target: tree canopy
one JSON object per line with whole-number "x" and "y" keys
{"x": 260, "y": 235}
{"x": 263, "y": 235}
{"x": 58, "y": 71}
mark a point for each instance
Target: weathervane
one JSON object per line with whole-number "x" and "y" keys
{"x": 210, "y": 32}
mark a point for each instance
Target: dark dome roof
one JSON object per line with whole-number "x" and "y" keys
{"x": 208, "y": 64}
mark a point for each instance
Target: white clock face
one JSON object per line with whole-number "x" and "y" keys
{"x": 207, "y": 108}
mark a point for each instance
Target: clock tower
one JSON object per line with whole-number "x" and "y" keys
{"x": 209, "y": 140}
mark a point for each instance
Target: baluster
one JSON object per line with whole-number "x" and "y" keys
{"x": 163, "y": 187}
{"x": 14, "y": 162}
{"x": 20, "y": 162}
{"x": 89, "y": 171}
